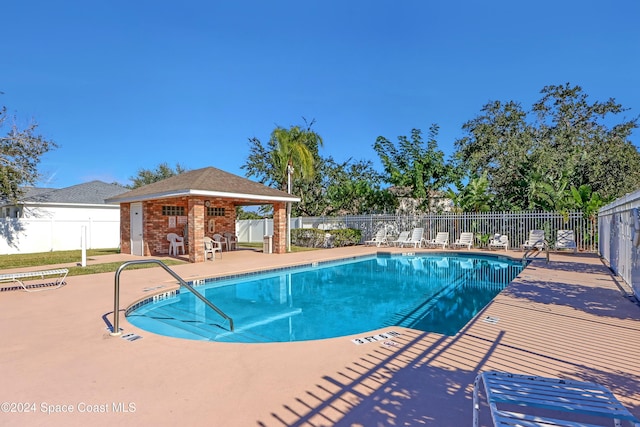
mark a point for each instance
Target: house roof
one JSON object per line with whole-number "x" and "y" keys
{"x": 88, "y": 193}
{"x": 207, "y": 181}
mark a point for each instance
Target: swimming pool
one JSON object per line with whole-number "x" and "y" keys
{"x": 433, "y": 293}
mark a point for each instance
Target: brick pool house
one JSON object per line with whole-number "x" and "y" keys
{"x": 193, "y": 204}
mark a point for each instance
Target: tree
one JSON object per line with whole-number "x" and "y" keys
{"x": 353, "y": 187}
{"x": 148, "y": 176}
{"x": 294, "y": 149}
{"x": 533, "y": 158}
{"x": 20, "y": 153}
{"x": 475, "y": 196}
{"x": 416, "y": 169}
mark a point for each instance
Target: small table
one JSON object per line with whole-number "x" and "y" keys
{"x": 557, "y": 394}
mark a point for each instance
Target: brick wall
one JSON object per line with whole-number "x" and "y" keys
{"x": 156, "y": 226}
{"x": 279, "y": 228}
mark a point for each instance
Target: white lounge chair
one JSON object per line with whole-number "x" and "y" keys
{"x": 379, "y": 239}
{"x": 175, "y": 242}
{"x": 566, "y": 240}
{"x": 515, "y": 400}
{"x": 499, "y": 241}
{"x": 466, "y": 239}
{"x": 536, "y": 239}
{"x": 416, "y": 238}
{"x": 403, "y": 237}
{"x": 442, "y": 239}
{"x": 211, "y": 247}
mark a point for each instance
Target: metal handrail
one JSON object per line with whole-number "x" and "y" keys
{"x": 116, "y": 291}
{"x": 536, "y": 249}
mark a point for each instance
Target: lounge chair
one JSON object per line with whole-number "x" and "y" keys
{"x": 379, "y": 239}
{"x": 403, "y": 237}
{"x": 560, "y": 399}
{"x": 175, "y": 242}
{"x": 416, "y": 238}
{"x": 442, "y": 239}
{"x": 211, "y": 247}
{"x": 466, "y": 239}
{"x": 536, "y": 239}
{"x": 566, "y": 240}
{"x": 499, "y": 241}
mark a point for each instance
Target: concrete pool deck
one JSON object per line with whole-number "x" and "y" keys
{"x": 570, "y": 318}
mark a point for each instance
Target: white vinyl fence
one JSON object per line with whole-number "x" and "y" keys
{"x": 516, "y": 225}
{"x": 619, "y": 226}
{"x": 31, "y": 235}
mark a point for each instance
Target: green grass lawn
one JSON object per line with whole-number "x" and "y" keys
{"x": 66, "y": 257}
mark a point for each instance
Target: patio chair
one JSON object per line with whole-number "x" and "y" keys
{"x": 211, "y": 247}
{"x": 442, "y": 239}
{"x": 499, "y": 241}
{"x": 232, "y": 241}
{"x": 379, "y": 239}
{"x": 416, "y": 238}
{"x": 403, "y": 237}
{"x": 535, "y": 240}
{"x": 465, "y": 239}
{"x": 175, "y": 242}
{"x": 222, "y": 241}
{"x": 566, "y": 240}
{"x": 560, "y": 399}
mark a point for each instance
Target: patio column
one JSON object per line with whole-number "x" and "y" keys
{"x": 196, "y": 230}
{"x": 279, "y": 228}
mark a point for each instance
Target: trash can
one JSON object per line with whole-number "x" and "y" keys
{"x": 267, "y": 244}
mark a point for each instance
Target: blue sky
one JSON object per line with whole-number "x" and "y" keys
{"x": 123, "y": 85}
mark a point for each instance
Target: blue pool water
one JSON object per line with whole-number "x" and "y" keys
{"x": 432, "y": 293}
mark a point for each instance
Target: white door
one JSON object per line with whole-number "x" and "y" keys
{"x": 136, "y": 229}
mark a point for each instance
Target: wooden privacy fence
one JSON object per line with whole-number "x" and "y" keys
{"x": 516, "y": 225}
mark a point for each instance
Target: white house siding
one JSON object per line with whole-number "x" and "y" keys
{"x": 59, "y": 227}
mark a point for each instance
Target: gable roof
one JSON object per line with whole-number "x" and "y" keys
{"x": 88, "y": 193}
{"x": 207, "y": 181}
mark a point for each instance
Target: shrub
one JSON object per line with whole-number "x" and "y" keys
{"x": 314, "y": 238}
{"x": 345, "y": 237}
{"x": 308, "y": 237}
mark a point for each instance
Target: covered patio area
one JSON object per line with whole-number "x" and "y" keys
{"x": 193, "y": 205}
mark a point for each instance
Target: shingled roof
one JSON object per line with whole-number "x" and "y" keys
{"x": 209, "y": 182}
{"x": 88, "y": 193}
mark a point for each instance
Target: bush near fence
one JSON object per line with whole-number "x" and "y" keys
{"x": 316, "y": 238}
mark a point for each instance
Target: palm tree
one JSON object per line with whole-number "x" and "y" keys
{"x": 294, "y": 156}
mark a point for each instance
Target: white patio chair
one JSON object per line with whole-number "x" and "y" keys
{"x": 465, "y": 239}
{"x": 379, "y": 239}
{"x": 222, "y": 241}
{"x": 232, "y": 241}
{"x": 499, "y": 241}
{"x": 211, "y": 247}
{"x": 416, "y": 238}
{"x": 442, "y": 239}
{"x": 175, "y": 242}
{"x": 566, "y": 240}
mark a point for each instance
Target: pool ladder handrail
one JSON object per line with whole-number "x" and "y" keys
{"x": 116, "y": 291}
{"x": 537, "y": 250}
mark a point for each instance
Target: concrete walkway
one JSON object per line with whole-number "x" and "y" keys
{"x": 60, "y": 367}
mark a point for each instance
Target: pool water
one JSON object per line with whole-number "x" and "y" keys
{"x": 431, "y": 293}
